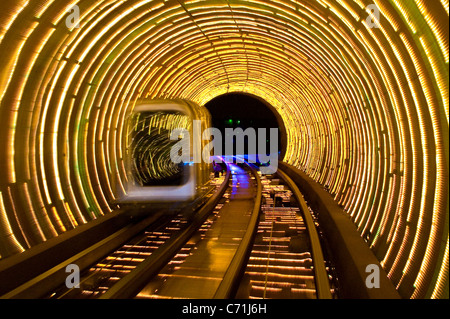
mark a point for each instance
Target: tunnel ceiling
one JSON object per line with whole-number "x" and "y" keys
{"x": 365, "y": 106}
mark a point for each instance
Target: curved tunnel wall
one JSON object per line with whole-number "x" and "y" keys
{"x": 365, "y": 108}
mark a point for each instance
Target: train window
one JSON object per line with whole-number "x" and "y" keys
{"x": 149, "y": 148}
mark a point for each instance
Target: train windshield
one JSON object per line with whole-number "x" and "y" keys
{"x": 149, "y": 147}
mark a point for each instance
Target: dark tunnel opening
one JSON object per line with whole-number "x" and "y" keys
{"x": 234, "y": 111}
{"x": 357, "y": 91}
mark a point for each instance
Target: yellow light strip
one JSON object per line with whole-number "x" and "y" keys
{"x": 366, "y": 109}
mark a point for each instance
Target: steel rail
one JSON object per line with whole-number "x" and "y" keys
{"x": 52, "y": 278}
{"x": 320, "y": 272}
{"x": 232, "y": 275}
{"x": 55, "y": 276}
{"x": 129, "y": 286}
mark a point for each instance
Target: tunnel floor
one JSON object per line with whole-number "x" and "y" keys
{"x": 203, "y": 270}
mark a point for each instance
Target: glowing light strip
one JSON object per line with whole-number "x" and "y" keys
{"x": 351, "y": 97}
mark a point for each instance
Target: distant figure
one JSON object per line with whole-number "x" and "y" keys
{"x": 217, "y": 169}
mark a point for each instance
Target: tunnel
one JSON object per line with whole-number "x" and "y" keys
{"x": 246, "y": 111}
{"x": 360, "y": 86}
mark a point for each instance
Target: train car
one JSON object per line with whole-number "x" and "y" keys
{"x": 152, "y": 177}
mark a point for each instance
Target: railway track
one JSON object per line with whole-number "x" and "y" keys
{"x": 99, "y": 278}
{"x": 205, "y": 267}
{"x": 144, "y": 254}
{"x": 276, "y": 258}
{"x": 281, "y": 265}
{"x": 255, "y": 238}
{"x": 121, "y": 255}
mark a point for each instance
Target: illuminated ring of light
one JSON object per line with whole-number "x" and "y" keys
{"x": 366, "y": 109}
